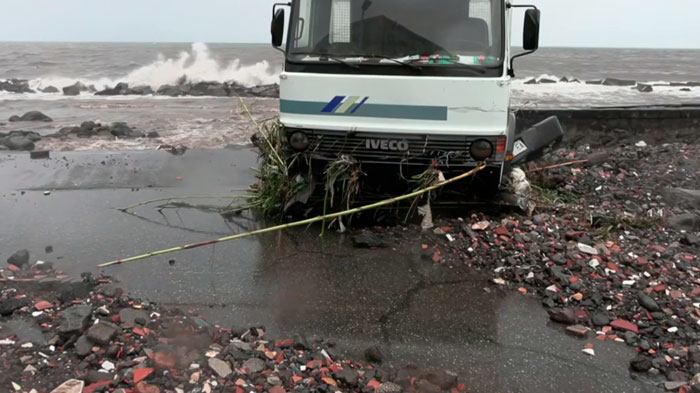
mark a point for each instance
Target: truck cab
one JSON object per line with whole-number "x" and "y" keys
{"x": 406, "y": 83}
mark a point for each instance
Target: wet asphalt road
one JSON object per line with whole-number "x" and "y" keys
{"x": 291, "y": 282}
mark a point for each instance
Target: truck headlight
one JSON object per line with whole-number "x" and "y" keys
{"x": 481, "y": 149}
{"x": 299, "y": 141}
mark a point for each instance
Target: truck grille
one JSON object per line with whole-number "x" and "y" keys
{"x": 407, "y": 149}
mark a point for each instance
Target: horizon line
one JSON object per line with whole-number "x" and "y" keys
{"x": 267, "y": 43}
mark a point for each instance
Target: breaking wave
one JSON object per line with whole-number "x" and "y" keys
{"x": 197, "y": 65}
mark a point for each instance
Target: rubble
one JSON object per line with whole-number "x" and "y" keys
{"x": 106, "y": 341}
{"x": 612, "y": 247}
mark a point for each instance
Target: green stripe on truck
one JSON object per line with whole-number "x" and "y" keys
{"x": 413, "y": 112}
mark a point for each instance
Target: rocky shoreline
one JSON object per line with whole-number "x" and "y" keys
{"x": 19, "y": 140}
{"x": 639, "y": 86}
{"x": 180, "y": 89}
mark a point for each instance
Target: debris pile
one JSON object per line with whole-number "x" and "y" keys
{"x": 612, "y": 250}
{"x": 100, "y": 340}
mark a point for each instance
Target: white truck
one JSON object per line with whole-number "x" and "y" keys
{"x": 406, "y": 83}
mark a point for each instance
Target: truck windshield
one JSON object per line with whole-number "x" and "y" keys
{"x": 418, "y": 32}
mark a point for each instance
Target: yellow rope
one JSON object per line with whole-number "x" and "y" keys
{"x": 300, "y": 223}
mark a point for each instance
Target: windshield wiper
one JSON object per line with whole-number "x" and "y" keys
{"x": 397, "y": 61}
{"x": 323, "y": 56}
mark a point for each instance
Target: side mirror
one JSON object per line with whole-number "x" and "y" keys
{"x": 277, "y": 28}
{"x": 531, "y": 30}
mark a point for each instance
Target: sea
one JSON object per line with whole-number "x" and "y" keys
{"x": 207, "y": 122}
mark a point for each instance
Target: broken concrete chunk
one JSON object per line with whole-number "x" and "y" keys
{"x": 75, "y": 319}
{"x": 222, "y": 368}
{"x": 103, "y": 332}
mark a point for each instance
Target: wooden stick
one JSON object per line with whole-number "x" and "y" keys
{"x": 559, "y": 165}
{"x": 299, "y": 223}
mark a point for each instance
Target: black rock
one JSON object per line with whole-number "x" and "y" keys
{"x": 685, "y": 222}
{"x": 120, "y": 89}
{"x": 97, "y": 376}
{"x": 141, "y": 90}
{"x": 152, "y": 135}
{"x": 75, "y": 89}
{"x": 19, "y": 258}
{"x": 122, "y": 130}
{"x": 618, "y": 82}
{"x": 694, "y": 354}
{"x": 49, "y": 89}
{"x": 169, "y": 90}
{"x": 368, "y": 239}
{"x": 102, "y": 332}
{"x": 74, "y": 291}
{"x": 546, "y": 81}
{"x": 682, "y": 197}
{"x": 600, "y": 319}
{"x": 17, "y": 143}
{"x": 14, "y": 119}
{"x": 8, "y": 306}
{"x": 347, "y": 376}
{"x": 83, "y": 346}
{"x": 16, "y": 86}
{"x": 641, "y": 363}
{"x": 301, "y": 343}
{"x": 690, "y": 239}
{"x": 87, "y": 126}
{"x": 75, "y": 319}
{"x": 33, "y": 116}
{"x": 678, "y": 376}
{"x": 641, "y": 87}
{"x": 562, "y": 315}
{"x": 531, "y": 81}
{"x": 647, "y": 302}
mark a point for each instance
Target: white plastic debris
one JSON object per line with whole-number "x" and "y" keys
{"x": 27, "y": 345}
{"x": 521, "y": 188}
{"x": 588, "y": 351}
{"x": 585, "y": 248}
{"x": 37, "y": 313}
{"x": 7, "y": 341}
{"x": 427, "y": 214}
{"x": 672, "y": 329}
{"x": 593, "y": 263}
{"x": 641, "y": 144}
{"x": 450, "y": 237}
{"x": 552, "y": 288}
{"x": 628, "y": 283}
{"x": 107, "y": 365}
{"x": 499, "y": 281}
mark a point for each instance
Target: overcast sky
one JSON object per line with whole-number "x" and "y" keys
{"x": 588, "y": 23}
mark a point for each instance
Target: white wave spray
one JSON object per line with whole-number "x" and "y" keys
{"x": 198, "y": 65}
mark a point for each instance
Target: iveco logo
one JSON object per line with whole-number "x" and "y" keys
{"x": 386, "y": 144}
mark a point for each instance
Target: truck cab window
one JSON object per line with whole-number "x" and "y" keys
{"x": 407, "y": 30}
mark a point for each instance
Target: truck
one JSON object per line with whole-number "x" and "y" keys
{"x": 403, "y": 85}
